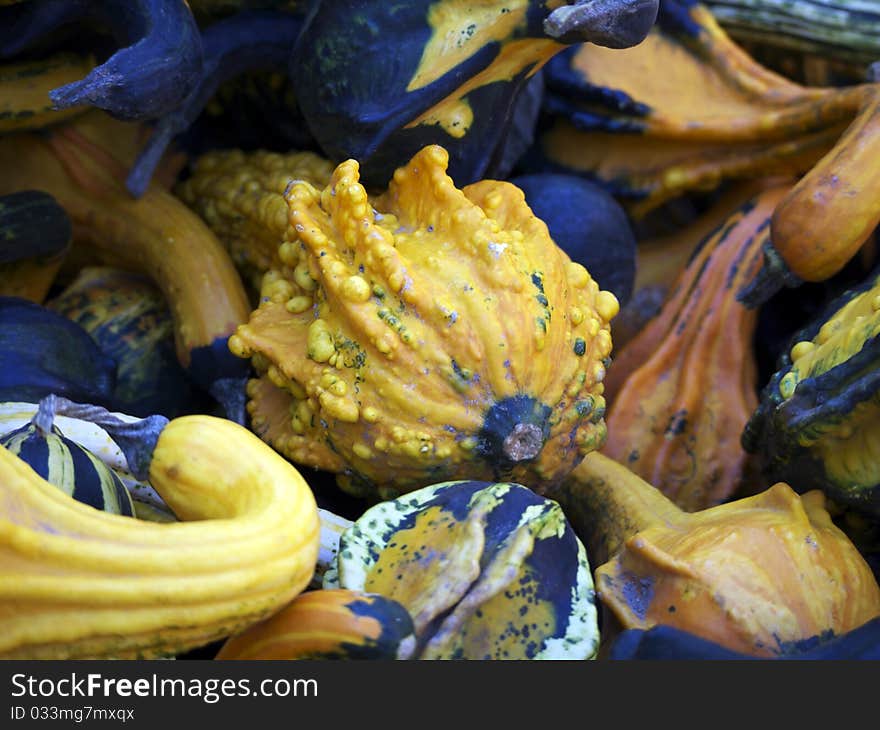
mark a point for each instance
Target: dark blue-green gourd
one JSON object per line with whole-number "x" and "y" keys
{"x": 129, "y": 319}
{"x": 42, "y": 352}
{"x": 817, "y": 425}
{"x": 156, "y": 63}
{"x": 378, "y": 81}
{"x": 66, "y": 464}
{"x": 588, "y": 223}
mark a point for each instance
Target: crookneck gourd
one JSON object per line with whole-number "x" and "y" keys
{"x": 157, "y": 61}
{"x": 818, "y": 422}
{"x": 454, "y": 78}
{"x": 79, "y": 583}
{"x": 428, "y": 333}
{"x": 756, "y": 575}
{"x": 156, "y": 235}
{"x": 681, "y": 390}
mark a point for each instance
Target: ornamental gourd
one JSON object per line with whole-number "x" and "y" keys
{"x": 755, "y": 575}
{"x": 68, "y": 465}
{"x": 156, "y": 235}
{"x": 35, "y": 235}
{"x": 453, "y": 78}
{"x": 78, "y": 583}
{"x": 129, "y": 319}
{"x": 713, "y": 113}
{"x": 332, "y": 623}
{"x": 485, "y": 570}
{"x": 817, "y": 424}
{"x": 681, "y": 390}
{"x": 425, "y": 334}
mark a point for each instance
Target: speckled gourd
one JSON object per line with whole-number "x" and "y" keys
{"x": 426, "y": 334}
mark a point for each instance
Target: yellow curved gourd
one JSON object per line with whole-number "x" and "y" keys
{"x": 78, "y": 583}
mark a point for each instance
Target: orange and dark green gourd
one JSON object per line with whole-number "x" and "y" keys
{"x": 453, "y": 77}
{"x": 682, "y": 389}
{"x": 426, "y": 334}
{"x": 714, "y": 113}
{"x": 332, "y": 623}
{"x": 818, "y": 421}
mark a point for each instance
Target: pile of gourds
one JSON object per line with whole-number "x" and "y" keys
{"x": 483, "y": 350}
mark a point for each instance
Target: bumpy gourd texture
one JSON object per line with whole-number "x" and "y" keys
{"x": 396, "y": 324}
{"x": 818, "y": 416}
{"x": 241, "y": 198}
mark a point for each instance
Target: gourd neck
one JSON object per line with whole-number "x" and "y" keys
{"x": 607, "y": 504}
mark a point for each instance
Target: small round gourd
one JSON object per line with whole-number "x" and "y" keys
{"x": 72, "y": 468}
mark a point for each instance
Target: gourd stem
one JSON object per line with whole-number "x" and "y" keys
{"x": 609, "y": 23}
{"x": 523, "y": 442}
{"x": 137, "y": 439}
{"x": 607, "y": 504}
{"x": 44, "y": 418}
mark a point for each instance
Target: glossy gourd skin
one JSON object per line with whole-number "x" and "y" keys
{"x": 78, "y": 583}
{"x": 831, "y": 212}
{"x": 66, "y": 464}
{"x": 682, "y": 389}
{"x": 453, "y": 78}
{"x": 332, "y": 623}
{"x": 817, "y": 424}
{"x": 755, "y": 575}
{"x": 427, "y": 333}
{"x": 42, "y": 352}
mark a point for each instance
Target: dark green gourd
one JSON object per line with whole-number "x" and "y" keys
{"x": 379, "y": 81}
{"x": 42, "y": 352}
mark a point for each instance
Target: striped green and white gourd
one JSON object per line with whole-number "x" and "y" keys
{"x": 66, "y": 464}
